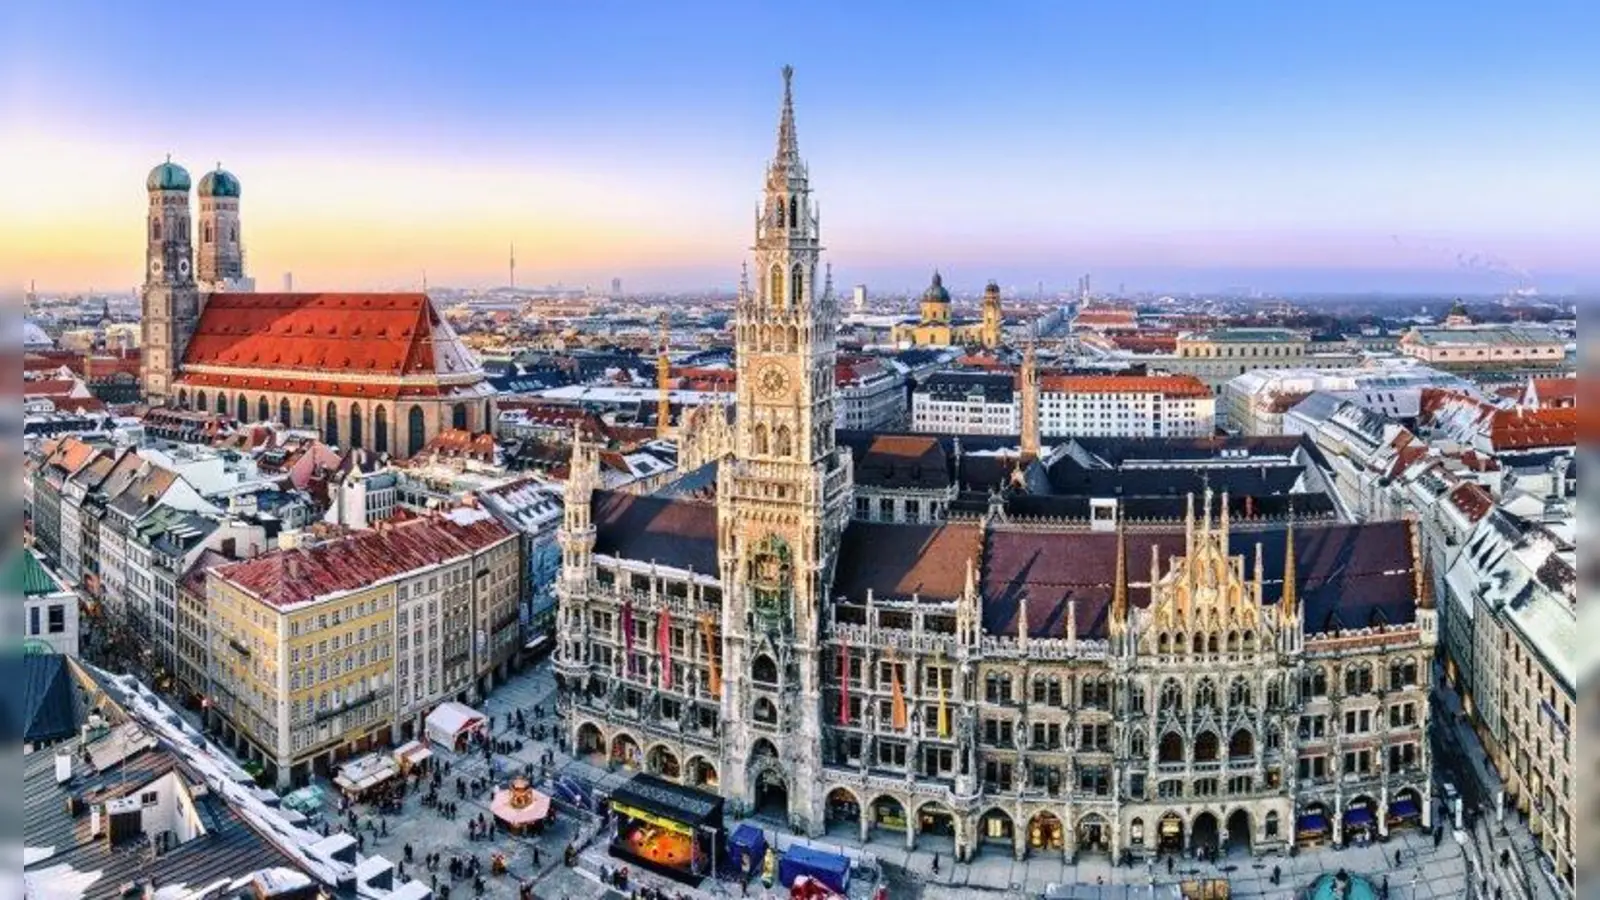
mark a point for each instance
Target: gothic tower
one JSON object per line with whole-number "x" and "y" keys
{"x": 220, "y": 262}
{"x": 170, "y": 298}
{"x": 783, "y": 501}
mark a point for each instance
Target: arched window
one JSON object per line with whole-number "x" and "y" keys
{"x": 1212, "y": 644}
{"x": 458, "y": 416}
{"x": 1136, "y": 746}
{"x": 1358, "y": 680}
{"x": 759, "y": 436}
{"x": 206, "y": 233}
{"x": 241, "y": 408}
{"x": 263, "y": 409}
{"x": 308, "y": 415}
{"x": 416, "y": 431}
{"x": 1206, "y": 747}
{"x": 155, "y": 229}
{"x": 1164, "y": 643}
{"x": 356, "y": 437}
{"x": 1205, "y": 696}
{"x": 1249, "y": 641}
{"x": 794, "y": 219}
{"x": 1271, "y": 825}
{"x": 330, "y": 425}
{"x": 1242, "y": 744}
{"x": 780, "y": 218}
{"x": 380, "y": 430}
{"x": 1238, "y": 694}
{"x": 1170, "y": 750}
{"x": 775, "y": 285}
{"x": 764, "y": 670}
{"x": 283, "y": 412}
{"x": 1233, "y": 642}
{"x": 1172, "y": 696}
{"x": 783, "y": 442}
{"x": 797, "y": 283}
{"x": 200, "y": 400}
{"x": 1199, "y": 643}
{"x": 183, "y": 399}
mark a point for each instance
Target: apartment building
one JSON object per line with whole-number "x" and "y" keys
{"x": 966, "y": 403}
{"x": 306, "y": 642}
{"x": 1111, "y": 406}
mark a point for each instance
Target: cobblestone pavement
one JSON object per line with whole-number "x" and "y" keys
{"x": 1425, "y": 872}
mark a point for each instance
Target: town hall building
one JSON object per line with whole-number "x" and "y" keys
{"x": 988, "y": 682}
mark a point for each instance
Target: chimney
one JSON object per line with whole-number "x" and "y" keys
{"x": 63, "y": 768}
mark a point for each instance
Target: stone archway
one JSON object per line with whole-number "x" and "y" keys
{"x": 1205, "y": 832}
{"x": 700, "y": 772}
{"x": 1169, "y": 833}
{"x": 625, "y": 751}
{"x": 937, "y": 828}
{"x": 1240, "y": 836}
{"x": 663, "y": 762}
{"x": 769, "y": 783}
{"x": 888, "y": 813}
{"x": 1094, "y": 835}
{"x": 591, "y": 740}
{"x": 842, "y": 813}
{"x": 1045, "y": 832}
{"x": 997, "y": 827}
{"x": 1405, "y": 808}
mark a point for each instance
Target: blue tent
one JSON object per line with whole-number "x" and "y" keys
{"x": 828, "y": 868}
{"x": 746, "y": 842}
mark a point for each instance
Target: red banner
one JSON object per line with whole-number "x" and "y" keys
{"x": 844, "y": 683}
{"x": 664, "y": 647}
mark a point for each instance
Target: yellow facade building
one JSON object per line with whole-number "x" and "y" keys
{"x": 936, "y": 327}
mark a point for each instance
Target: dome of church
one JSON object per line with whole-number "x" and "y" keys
{"x": 992, "y": 290}
{"x": 936, "y": 291}
{"x": 169, "y": 176}
{"x": 219, "y": 183}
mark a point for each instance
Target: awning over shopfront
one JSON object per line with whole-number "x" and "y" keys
{"x": 1313, "y": 823}
{"x": 1359, "y": 817}
{"x": 360, "y": 775}
{"x": 450, "y": 720}
{"x": 1404, "y": 808}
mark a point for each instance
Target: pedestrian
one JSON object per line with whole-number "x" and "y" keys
{"x": 536, "y": 855}
{"x": 1169, "y": 864}
{"x": 936, "y": 864}
{"x": 1397, "y": 859}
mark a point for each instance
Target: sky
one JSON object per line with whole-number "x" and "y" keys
{"x": 1307, "y": 146}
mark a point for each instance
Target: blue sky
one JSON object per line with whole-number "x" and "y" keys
{"x": 1178, "y": 145}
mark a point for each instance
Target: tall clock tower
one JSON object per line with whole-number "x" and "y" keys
{"x": 783, "y": 502}
{"x": 170, "y": 299}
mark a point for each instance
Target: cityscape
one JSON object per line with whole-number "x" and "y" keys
{"x": 818, "y": 572}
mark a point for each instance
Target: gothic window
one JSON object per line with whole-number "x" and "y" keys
{"x": 416, "y": 429}
{"x": 1212, "y": 644}
{"x": 1136, "y": 746}
{"x": 330, "y": 425}
{"x": 1242, "y": 744}
{"x": 308, "y": 417}
{"x": 356, "y": 437}
{"x": 1170, "y": 750}
{"x": 155, "y": 229}
{"x": 794, "y": 218}
{"x": 458, "y": 416}
{"x": 263, "y": 409}
{"x": 183, "y": 229}
{"x": 1164, "y": 644}
{"x": 1249, "y": 641}
{"x": 778, "y": 208}
{"x": 233, "y": 234}
{"x": 1199, "y": 643}
{"x": 241, "y": 408}
{"x": 775, "y": 286}
{"x": 759, "y": 437}
{"x": 764, "y": 670}
{"x": 1274, "y": 694}
{"x": 797, "y": 284}
{"x": 1314, "y": 684}
{"x": 783, "y": 442}
{"x": 380, "y": 430}
{"x": 200, "y": 400}
{"x": 1233, "y": 642}
{"x": 1358, "y": 679}
{"x": 183, "y": 399}
{"x": 1136, "y": 698}
{"x": 1207, "y": 747}
{"x": 765, "y": 712}
{"x": 1238, "y": 694}
{"x": 1271, "y": 826}
{"x": 1172, "y": 696}
{"x": 206, "y": 233}
{"x": 1205, "y": 696}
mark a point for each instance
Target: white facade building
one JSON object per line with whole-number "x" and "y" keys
{"x": 966, "y": 403}
{"x": 1110, "y": 406}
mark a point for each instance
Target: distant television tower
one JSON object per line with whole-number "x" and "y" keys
{"x": 513, "y": 265}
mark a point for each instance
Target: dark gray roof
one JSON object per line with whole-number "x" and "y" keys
{"x": 677, "y": 533}
{"x": 46, "y": 707}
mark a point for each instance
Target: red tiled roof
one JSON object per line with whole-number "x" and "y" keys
{"x": 288, "y": 577}
{"x": 456, "y": 442}
{"x": 1526, "y": 429}
{"x": 1556, "y": 391}
{"x": 1473, "y": 501}
{"x": 48, "y": 387}
{"x": 373, "y": 334}
{"x": 1169, "y": 385}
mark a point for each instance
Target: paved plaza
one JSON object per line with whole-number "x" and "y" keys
{"x": 1425, "y": 872}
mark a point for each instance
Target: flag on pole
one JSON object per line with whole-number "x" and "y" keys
{"x": 627, "y": 637}
{"x": 711, "y": 654}
{"x": 664, "y": 647}
{"x": 898, "y": 708}
{"x": 844, "y": 682}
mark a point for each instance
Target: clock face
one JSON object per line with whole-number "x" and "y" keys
{"x": 155, "y": 267}
{"x": 773, "y": 381}
{"x": 183, "y": 267}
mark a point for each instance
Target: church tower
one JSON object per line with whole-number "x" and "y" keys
{"x": 783, "y": 501}
{"x": 993, "y": 316}
{"x": 220, "y": 263}
{"x": 170, "y": 298}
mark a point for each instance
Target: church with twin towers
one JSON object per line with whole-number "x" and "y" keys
{"x": 1004, "y": 679}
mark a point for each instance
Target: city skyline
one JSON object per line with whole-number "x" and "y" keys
{"x": 1280, "y": 150}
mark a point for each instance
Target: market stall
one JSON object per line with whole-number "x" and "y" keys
{"x": 411, "y": 755}
{"x": 451, "y": 724}
{"x": 520, "y": 808}
{"x": 666, "y": 827}
{"x": 361, "y": 775}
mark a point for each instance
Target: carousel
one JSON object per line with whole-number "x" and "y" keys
{"x": 519, "y": 808}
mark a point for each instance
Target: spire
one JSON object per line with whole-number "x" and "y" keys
{"x": 1030, "y": 401}
{"x": 1119, "y": 587}
{"x": 663, "y": 383}
{"x": 788, "y": 154}
{"x": 1290, "y": 589}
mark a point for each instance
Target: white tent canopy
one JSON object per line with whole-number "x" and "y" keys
{"x": 449, "y": 719}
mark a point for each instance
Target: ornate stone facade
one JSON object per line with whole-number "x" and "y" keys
{"x": 985, "y": 681}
